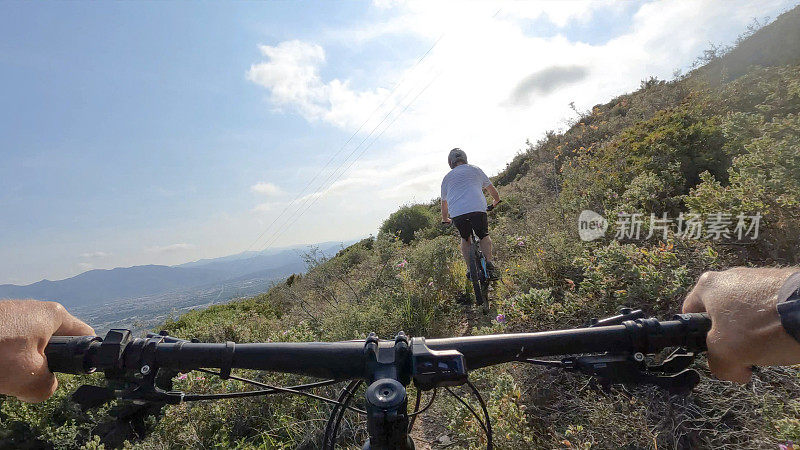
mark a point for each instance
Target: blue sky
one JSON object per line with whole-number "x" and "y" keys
{"x": 159, "y": 132}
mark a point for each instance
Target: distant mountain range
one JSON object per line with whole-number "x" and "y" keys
{"x": 104, "y": 286}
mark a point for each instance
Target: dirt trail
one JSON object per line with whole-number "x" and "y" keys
{"x": 428, "y": 434}
{"x": 430, "y": 430}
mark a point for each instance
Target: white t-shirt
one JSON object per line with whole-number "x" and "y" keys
{"x": 462, "y": 188}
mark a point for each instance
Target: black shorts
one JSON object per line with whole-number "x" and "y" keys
{"x": 477, "y": 221}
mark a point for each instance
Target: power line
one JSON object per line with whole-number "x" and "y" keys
{"x": 391, "y": 93}
{"x": 356, "y": 159}
{"x": 325, "y": 185}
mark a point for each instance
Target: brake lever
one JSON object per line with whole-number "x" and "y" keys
{"x": 150, "y": 385}
{"x": 676, "y": 362}
{"x": 672, "y": 374}
{"x": 90, "y": 396}
{"x": 142, "y": 390}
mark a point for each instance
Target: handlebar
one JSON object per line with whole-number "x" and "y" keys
{"x": 642, "y": 335}
{"x": 611, "y": 349}
{"x": 349, "y": 360}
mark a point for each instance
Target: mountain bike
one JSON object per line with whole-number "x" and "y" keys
{"x": 139, "y": 371}
{"x": 477, "y": 271}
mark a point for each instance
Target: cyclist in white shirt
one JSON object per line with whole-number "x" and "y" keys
{"x": 464, "y": 202}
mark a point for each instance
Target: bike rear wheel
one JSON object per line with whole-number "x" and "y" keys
{"x": 483, "y": 277}
{"x": 476, "y": 274}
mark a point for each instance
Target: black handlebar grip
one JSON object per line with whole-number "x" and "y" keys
{"x": 492, "y": 206}
{"x": 697, "y": 327}
{"x": 68, "y": 354}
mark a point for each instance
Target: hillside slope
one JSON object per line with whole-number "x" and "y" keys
{"x": 709, "y": 142}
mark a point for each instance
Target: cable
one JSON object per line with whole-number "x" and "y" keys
{"x": 474, "y": 413}
{"x": 487, "y": 426}
{"x": 542, "y": 362}
{"x": 489, "y": 444}
{"x": 269, "y": 390}
{"x": 347, "y": 400}
{"x": 258, "y": 383}
{"x": 416, "y": 408}
{"x": 325, "y": 185}
{"x": 332, "y": 426}
{"x": 331, "y": 418}
{"x": 417, "y": 412}
{"x": 280, "y": 232}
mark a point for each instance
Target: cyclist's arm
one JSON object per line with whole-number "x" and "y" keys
{"x": 25, "y": 328}
{"x": 445, "y": 212}
{"x": 493, "y": 192}
{"x": 746, "y": 328}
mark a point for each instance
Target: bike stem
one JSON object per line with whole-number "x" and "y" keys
{"x": 389, "y": 372}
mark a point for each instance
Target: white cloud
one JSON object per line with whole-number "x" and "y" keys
{"x": 267, "y": 206}
{"x": 84, "y": 266}
{"x": 266, "y": 189}
{"x": 172, "y": 248}
{"x": 560, "y": 13}
{"x": 91, "y": 255}
{"x": 291, "y": 73}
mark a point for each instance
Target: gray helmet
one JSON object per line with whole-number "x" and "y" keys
{"x": 456, "y": 156}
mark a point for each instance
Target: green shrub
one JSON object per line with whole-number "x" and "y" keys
{"x": 684, "y": 140}
{"x": 407, "y": 220}
{"x": 536, "y": 307}
{"x": 765, "y": 180}
{"x": 659, "y": 276}
{"x": 431, "y": 264}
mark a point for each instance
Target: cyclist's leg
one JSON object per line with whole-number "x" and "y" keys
{"x": 486, "y": 247}
{"x": 465, "y": 249}
{"x": 480, "y": 224}
{"x": 462, "y": 223}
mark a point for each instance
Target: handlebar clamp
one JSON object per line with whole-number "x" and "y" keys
{"x": 109, "y": 355}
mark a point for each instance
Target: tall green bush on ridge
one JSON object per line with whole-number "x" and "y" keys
{"x": 683, "y": 140}
{"x": 764, "y": 180}
{"x": 406, "y": 221}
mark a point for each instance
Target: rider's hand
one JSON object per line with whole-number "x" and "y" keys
{"x": 446, "y": 221}
{"x": 746, "y": 329}
{"x": 25, "y": 328}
